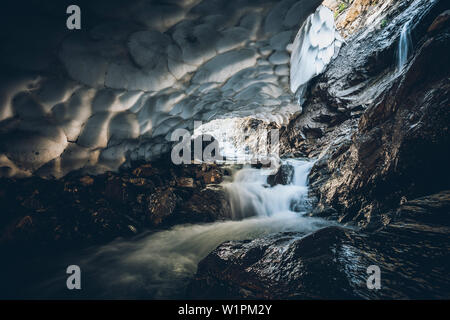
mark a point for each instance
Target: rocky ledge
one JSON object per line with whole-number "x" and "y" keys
{"x": 90, "y": 209}
{"x": 412, "y": 252}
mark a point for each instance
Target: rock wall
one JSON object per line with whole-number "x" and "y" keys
{"x": 380, "y": 133}
{"x": 331, "y": 263}
{"x": 401, "y": 148}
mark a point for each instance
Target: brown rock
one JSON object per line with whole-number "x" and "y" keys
{"x": 145, "y": 170}
{"x": 209, "y": 204}
{"x": 440, "y": 22}
{"x": 212, "y": 176}
{"x": 185, "y": 182}
{"x": 354, "y": 11}
{"x": 161, "y": 205}
{"x": 25, "y": 221}
{"x": 86, "y": 181}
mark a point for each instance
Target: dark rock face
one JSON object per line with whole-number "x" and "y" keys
{"x": 284, "y": 175}
{"x": 277, "y": 267}
{"x": 161, "y": 205}
{"x": 401, "y": 147}
{"x": 205, "y": 205}
{"x": 355, "y": 80}
{"x": 426, "y": 210}
{"x": 93, "y": 209}
{"x": 380, "y": 134}
{"x": 412, "y": 252}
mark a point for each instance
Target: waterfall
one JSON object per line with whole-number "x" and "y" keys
{"x": 243, "y": 140}
{"x": 160, "y": 264}
{"x": 250, "y": 194}
{"x": 404, "y": 46}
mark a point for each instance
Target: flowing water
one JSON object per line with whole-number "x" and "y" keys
{"x": 404, "y": 46}
{"x": 160, "y": 265}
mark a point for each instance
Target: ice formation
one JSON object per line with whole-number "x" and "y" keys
{"x": 315, "y": 45}
{"x": 144, "y": 71}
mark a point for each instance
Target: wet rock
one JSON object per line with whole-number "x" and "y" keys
{"x": 87, "y": 180}
{"x": 161, "y": 204}
{"x": 312, "y": 133}
{"x": 145, "y": 170}
{"x": 332, "y": 263}
{"x": 401, "y": 146}
{"x": 185, "y": 182}
{"x": 81, "y": 210}
{"x": 284, "y": 175}
{"x": 276, "y": 267}
{"x": 440, "y": 22}
{"x": 207, "y": 205}
{"x": 433, "y": 209}
{"x": 212, "y": 176}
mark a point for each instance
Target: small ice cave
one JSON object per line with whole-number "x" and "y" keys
{"x": 128, "y": 85}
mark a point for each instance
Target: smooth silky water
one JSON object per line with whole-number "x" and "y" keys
{"x": 161, "y": 264}
{"x": 404, "y": 47}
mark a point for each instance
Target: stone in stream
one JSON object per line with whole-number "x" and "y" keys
{"x": 205, "y": 205}
{"x": 411, "y": 250}
{"x": 280, "y": 266}
{"x": 161, "y": 204}
{"x": 284, "y": 175}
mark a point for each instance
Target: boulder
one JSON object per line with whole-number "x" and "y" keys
{"x": 411, "y": 251}
{"x": 280, "y": 266}
{"x": 284, "y": 175}
{"x": 206, "y": 205}
{"x": 440, "y": 22}
{"x": 161, "y": 205}
{"x": 185, "y": 182}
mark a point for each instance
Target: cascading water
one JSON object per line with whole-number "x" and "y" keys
{"x": 250, "y": 195}
{"x": 404, "y": 46}
{"x": 159, "y": 265}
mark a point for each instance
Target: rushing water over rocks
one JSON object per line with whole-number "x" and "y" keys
{"x": 251, "y": 195}
{"x": 161, "y": 264}
{"x": 404, "y": 47}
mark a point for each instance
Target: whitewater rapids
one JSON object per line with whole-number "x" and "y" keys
{"x": 161, "y": 264}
